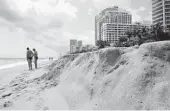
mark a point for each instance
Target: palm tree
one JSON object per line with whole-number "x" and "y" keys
{"x": 100, "y": 44}
{"x": 156, "y": 31}
{"x": 129, "y": 34}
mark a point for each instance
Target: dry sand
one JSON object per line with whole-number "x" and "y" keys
{"x": 135, "y": 78}
{"x": 22, "y": 90}
{"x": 118, "y": 78}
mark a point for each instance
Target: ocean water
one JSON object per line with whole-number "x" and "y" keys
{"x": 12, "y": 62}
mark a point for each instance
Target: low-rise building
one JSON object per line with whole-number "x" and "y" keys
{"x": 111, "y": 32}
{"x": 161, "y": 13}
{"x": 75, "y": 45}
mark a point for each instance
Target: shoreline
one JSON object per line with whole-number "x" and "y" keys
{"x": 7, "y": 74}
{"x": 15, "y": 64}
{"x": 24, "y": 89}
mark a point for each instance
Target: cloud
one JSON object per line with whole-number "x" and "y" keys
{"x": 83, "y": 1}
{"x": 142, "y": 9}
{"x": 13, "y": 44}
{"x": 39, "y": 12}
{"x": 38, "y": 18}
{"x": 148, "y": 17}
{"x": 55, "y": 23}
{"x": 8, "y": 13}
{"x": 52, "y": 23}
{"x": 135, "y": 15}
{"x": 101, "y": 4}
{"x": 90, "y": 12}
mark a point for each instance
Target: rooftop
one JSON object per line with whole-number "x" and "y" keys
{"x": 114, "y": 8}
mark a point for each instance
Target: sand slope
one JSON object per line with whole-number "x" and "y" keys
{"x": 108, "y": 79}
{"x": 117, "y": 78}
{"x": 28, "y": 91}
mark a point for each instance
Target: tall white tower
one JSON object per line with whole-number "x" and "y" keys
{"x": 161, "y": 12}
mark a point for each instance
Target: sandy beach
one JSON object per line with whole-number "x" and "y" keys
{"x": 134, "y": 78}
{"x": 20, "y": 89}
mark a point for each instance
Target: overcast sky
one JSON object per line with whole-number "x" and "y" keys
{"x": 48, "y": 25}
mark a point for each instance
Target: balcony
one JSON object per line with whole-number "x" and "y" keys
{"x": 157, "y": 15}
{"x": 157, "y": 6}
{"x": 156, "y": 2}
{"x": 157, "y": 12}
{"x": 167, "y": 6}
{"x": 158, "y": 20}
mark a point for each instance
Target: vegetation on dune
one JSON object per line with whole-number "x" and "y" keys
{"x": 102, "y": 44}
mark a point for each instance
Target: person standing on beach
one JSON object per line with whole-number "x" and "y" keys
{"x": 35, "y": 58}
{"x": 29, "y": 56}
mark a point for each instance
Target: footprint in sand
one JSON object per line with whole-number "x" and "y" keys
{"x": 30, "y": 98}
{"x": 2, "y": 89}
{"x": 7, "y": 104}
{"x": 6, "y": 95}
{"x": 40, "y": 103}
{"x": 46, "y": 108}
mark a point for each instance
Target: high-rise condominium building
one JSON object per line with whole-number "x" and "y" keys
{"x": 110, "y": 23}
{"x": 161, "y": 12}
{"x": 113, "y": 23}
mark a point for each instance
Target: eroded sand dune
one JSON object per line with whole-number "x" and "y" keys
{"x": 117, "y": 78}
{"x": 112, "y": 78}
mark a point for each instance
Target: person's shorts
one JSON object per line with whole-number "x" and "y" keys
{"x": 30, "y": 58}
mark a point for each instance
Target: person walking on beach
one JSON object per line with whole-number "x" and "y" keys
{"x": 29, "y": 58}
{"x": 35, "y": 58}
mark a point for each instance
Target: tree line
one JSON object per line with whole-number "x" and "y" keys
{"x": 139, "y": 36}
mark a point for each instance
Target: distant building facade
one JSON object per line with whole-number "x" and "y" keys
{"x": 161, "y": 12}
{"x": 139, "y": 25}
{"x": 75, "y": 45}
{"x": 112, "y": 32}
{"x": 108, "y": 22}
{"x": 113, "y": 23}
{"x": 79, "y": 43}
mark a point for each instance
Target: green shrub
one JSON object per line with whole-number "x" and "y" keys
{"x": 102, "y": 44}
